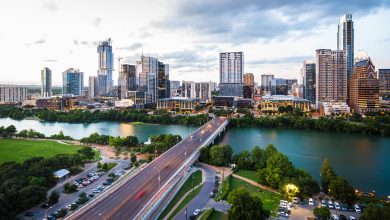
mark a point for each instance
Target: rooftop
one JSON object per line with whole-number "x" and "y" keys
{"x": 61, "y": 173}
{"x": 283, "y": 98}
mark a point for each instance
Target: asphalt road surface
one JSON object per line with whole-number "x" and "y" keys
{"x": 129, "y": 199}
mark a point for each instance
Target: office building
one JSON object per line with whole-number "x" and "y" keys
{"x": 147, "y": 73}
{"x": 175, "y": 88}
{"x": 265, "y": 82}
{"x": 177, "y": 104}
{"x": 72, "y": 82}
{"x": 309, "y": 81}
{"x": 163, "y": 81}
{"x": 12, "y": 93}
{"x": 249, "y": 79}
{"x": 364, "y": 88}
{"x": 331, "y": 75}
{"x": 105, "y": 68}
{"x": 188, "y": 89}
{"x": 345, "y": 41}
{"x": 140, "y": 99}
{"x": 231, "y": 69}
{"x": 384, "y": 83}
{"x": 126, "y": 80}
{"x": 290, "y": 83}
{"x": 248, "y": 88}
{"x": 327, "y": 108}
{"x": 271, "y": 103}
{"x": 278, "y": 86}
{"x": 196, "y": 90}
{"x": 297, "y": 90}
{"x": 46, "y": 82}
{"x": 93, "y": 88}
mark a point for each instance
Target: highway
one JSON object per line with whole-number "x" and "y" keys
{"x": 130, "y": 198}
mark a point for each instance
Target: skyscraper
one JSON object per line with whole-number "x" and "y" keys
{"x": 265, "y": 82}
{"x": 384, "y": 83}
{"x": 147, "y": 72}
{"x": 72, "y": 82}
{"x": 345, "y": 41}
{"x": 249, "y": 79}
{"x": 175, "y": 88}
{"x": 364, "y": 87}
{"x": 249, "y": 86}
{"x": 93, "y": 86}
{"x": 279, "y": 86}
{"x": 46, "y": 82}
{"x": 309, "y": 81}
{"x": 331, "y": 75}
{"x": 105, "y": 67}
{"x": 163, "y": 81}
{"x": 231, "y": 69}
{"x": 188, "y": 89}
{"x": 126, "y": 80}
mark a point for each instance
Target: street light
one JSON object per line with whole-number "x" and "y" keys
{"x": 159, "y": 177}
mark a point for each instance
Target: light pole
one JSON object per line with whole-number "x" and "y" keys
{"x": 159, "y": 177}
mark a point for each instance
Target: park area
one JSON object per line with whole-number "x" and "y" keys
{"x": 20, "y": 150}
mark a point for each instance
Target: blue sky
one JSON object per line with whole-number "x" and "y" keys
{"x": 275, "y": 36}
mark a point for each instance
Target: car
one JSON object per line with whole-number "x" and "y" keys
{"x": 91, "y": 195}
{"x": 196, "y": 212}
{"x": 211, "y": 195}
{"x": 330, "y": 204}
{"x": 139, "y": 195}
{"x": 96, "y": 191}
{"x": 343, "y": 217}
{"x": 29, "y": 214}
{"x": 343, "y": 207}
{"x": 323, "y": 203}
{"x": 351, "y": 218}
{"x": 337, "y": 206}
{"x": 45, "y": 205}
{"x": 334, "y": 217}
{"x": 283, "y": 214}
{"x": 311, "y": 202}
{"x": 357, "y": 208}
{"x": 69, "y": 206}
{"x": 295, "y": 200}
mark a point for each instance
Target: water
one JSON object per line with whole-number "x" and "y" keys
{"x": 80, "y": 130}
{"x": 362, "y": 159}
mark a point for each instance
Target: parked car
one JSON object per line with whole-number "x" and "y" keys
{"x": 284, "y": 214}
{"x": 330, "y": 204}
{"x": 45, "y": 205}
{"x": 337, "y": 206}
{"x": 211, "y": 195}
{"x": 196, "y": 212}
{"x": 311, "y": 202}
{"x": 351, "y": 218}
{"x": 323, "y": 203}
{"x": 295, "y": 200}
{"x": 357, "y": 208}
{"x": 334, "y": 217}
{"x": 343, "y": 207}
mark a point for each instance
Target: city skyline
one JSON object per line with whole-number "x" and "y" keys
{"x": 277, "y": 45}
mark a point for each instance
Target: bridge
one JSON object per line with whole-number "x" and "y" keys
{"x": 141, "y": 194}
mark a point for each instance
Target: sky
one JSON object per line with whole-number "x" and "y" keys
{"x": 276, "y": 36}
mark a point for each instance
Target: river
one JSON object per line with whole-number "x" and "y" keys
{"x": 362, "y": 159}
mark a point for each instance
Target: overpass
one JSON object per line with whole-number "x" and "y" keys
{"x": 143, "y": 192}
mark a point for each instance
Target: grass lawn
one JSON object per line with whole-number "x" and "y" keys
{"x": 20, "y": 150}
{"x": 187, "y": 186}
{"x": 270, "y": 199}
{"x": 185, "y": 202}
{"x": 216, "y": 215}
{"x": 249, "y": 174}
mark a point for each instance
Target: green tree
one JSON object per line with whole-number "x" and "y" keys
{"x": 221, "y": 155}
{"x": 115, "y": 142}
{"x": 327, "y": 174}
{"x": 243, "y": 160}
{"x": 246, "y": 207}
{"x": 375, "y": 212}
{"x": 87, "y": 152}
{"x": 321, "y": 212}
{"x": 204, "y": 155}
{"x": 133, "y": 157}
{"x": 54, "y": 197}
{"x": 258, "y": 157}
{"x": 340, "y": 189}
{"x": 105, "y": 166}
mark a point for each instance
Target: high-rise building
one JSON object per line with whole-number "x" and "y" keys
{"x": 290, "y": 83}
{"x": 72, "y": 82}
{"x": 265, "y": 82}
{"x": 278, "y": 86}
{"x": 188, "y": 89}
{"x": 105, "y": 67}
{"x": 46, "y": 82}
{"x": 163, "y": 81}
{"x": 384, "y": 83}
{"x": 331, "y": 75}
{"x": 345, "y": 41}
{"x": 364, "y": 87}
{"x": 249, "y": 86}
{"x": 93, "y": 86}
{"x": 146, "y": 73}
{"x": 309, "y": 81}
{"x": 196, "y": 90}
{"x": 12, "y": 93}
{"x": 249, "y": 79}
{"x": 231, "y": 69}
{"x": 175, "y": 88}
{"x": 126, "y": 80}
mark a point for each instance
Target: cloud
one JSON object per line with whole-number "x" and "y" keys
{"x": 50, "y": 5}
{"x": 252, "y": 20}
{"x": 281, "y": 60}
{"x": 50, "y": 60}
{"x": 133, "y": 46}
{"x": 85, "y": 43}
{"x": 39, "y": 41}
{"x": 97, "y": 21}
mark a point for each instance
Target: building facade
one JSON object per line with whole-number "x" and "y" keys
{"x": 93, "y": 89}
{"x": 265, "y": 82}
{"x": 331, "y": 75}
{"x": 231, "y": 69}
{"x": 126, "y": 80}
{"x": 177, "y": 104}
{"x": 147, "y": 73}
{"x": 46, "y": 82}
{"x": 105, "y": 67}
{"x": 384, "y": 83}
{"x": 163, "y": 81}
{"x": 272, "y": 103}
{"x": 175, "y": 88}
{"x": 364, "y": 88}
{"x": 328, "y": 108}
{"x": 346, "y": 41}
{"x": 73, "y": 82}
{"x": 309, "y": 81}
{"x": 278, "y": 86}
{"x": 13, "y": 93}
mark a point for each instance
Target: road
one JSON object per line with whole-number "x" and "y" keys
{"x": 201, "y": 200}
{"x": 129, "y": 199}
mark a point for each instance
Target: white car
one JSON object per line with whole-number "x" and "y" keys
{"x": 337, "y": 206}
{"x": 283, "y": 202}
{"x": 196, "y": 212}
{"x": 295, "y": 200}
{"x": 323, "y": 203}
{"x": 351, "y": 218}
{"x": 334, "y": 217}
{"x": 311, "y": 202}
{"x": 330, "y": 204}
{"x": 357, "y": 209}
{"x": 283, "y": 214}
{"x": 68, "y": 206}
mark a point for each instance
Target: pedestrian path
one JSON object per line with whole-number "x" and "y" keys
{"x": 255, "y": 184}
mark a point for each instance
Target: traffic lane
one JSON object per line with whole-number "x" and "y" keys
{"x": 99, "y": 206}
{"x": 201, "y": 200}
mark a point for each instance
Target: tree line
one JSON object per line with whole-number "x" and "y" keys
{"x": 11, "y": 131}
{"x": 87, "y": 116}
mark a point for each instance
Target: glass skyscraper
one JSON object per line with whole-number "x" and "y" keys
{"x": 231, "y": 70}
{"x": 309, "y": 81}
{"x": 72, "y": 82}
{"x": 105, "y": 68}
{"x": 46, "y": 82}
